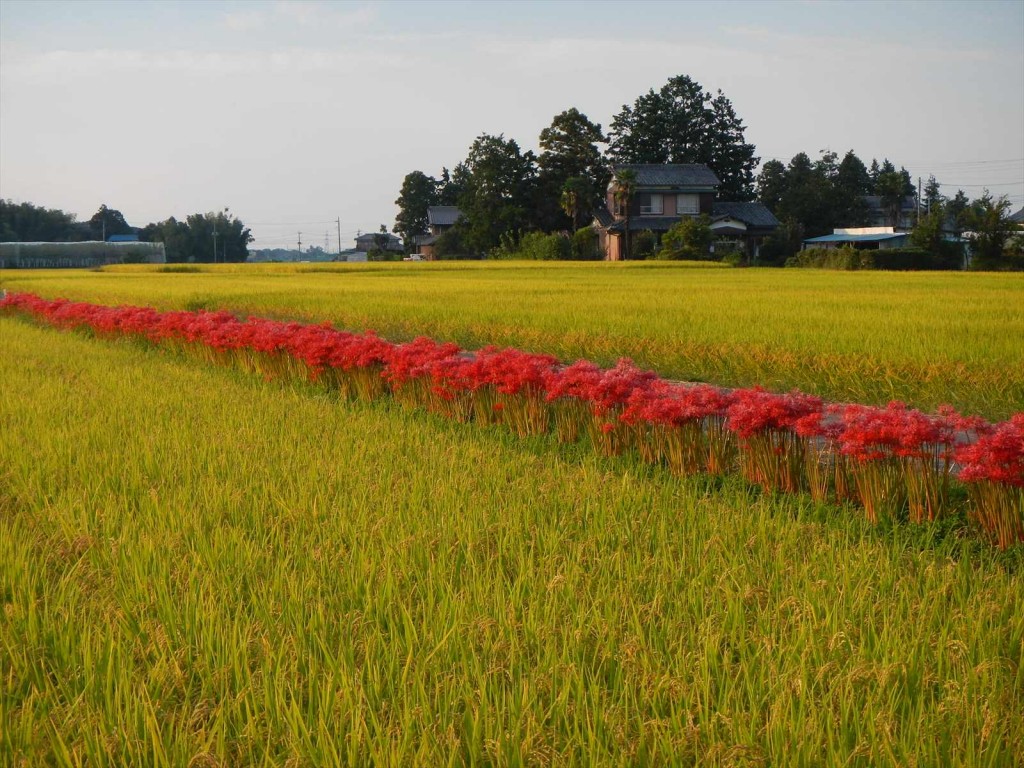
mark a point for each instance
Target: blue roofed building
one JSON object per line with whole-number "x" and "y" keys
{"x": 863, "y": 238}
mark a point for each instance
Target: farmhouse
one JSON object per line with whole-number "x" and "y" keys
{"x": 666, "y": 193}
{"x": 440, "y": 218}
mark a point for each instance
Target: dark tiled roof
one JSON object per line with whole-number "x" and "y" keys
{"x": 751, "y": 214}
{"x": 670, "y": 175}
{"x": 603, "y": 216}
{"x": 425, "y": 239}
{"x": 1018, "y": 217}
{"x": 443, "y": 215}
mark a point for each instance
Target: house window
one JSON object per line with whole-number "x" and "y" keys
{"x": 651, "y": 204}
{"x": 688, "y": 204}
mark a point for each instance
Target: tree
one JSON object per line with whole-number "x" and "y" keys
{"x": 625, "y": 188}
{"x": 932, "y": 196}
{"x": 577, "y": 193}
{"x": 682, "y": 123}
{"x": 380, "y": 240}
{"x": 890, "y": 188}
{"x": 451, "y": 184}
{"x": 851, "y": 183}
{"x": 569, "y": 151}
{"x": 772, "y": 184}
{"x": 499, "y": 192}
{"x": 418, "y": 193}
{"x": 956, "y": 211}
{"x": 193, "y": 240}
{"x": 25, "y": 222}
{"x": 106, "y": 222}
{"x": 990, "y": 230}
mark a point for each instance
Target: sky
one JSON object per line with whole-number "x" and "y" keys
{"x": 296, "y": 114}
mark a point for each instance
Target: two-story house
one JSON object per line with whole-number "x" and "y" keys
{"x": 665, "y": 193}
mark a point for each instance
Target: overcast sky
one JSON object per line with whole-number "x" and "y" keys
{"x": 293, "y": 114}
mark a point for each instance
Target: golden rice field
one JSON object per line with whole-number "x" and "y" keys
{"x": 202, "y": 568}
{"x": 925, "y": 338}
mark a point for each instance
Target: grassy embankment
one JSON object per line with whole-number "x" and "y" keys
{"x": 200, "y": 568}
{"x": 925, "y": 338}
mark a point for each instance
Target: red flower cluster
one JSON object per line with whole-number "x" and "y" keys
{"x": 897, "y": 455}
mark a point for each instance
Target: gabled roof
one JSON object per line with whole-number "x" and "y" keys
{"x": 443, "y": 215}
{"x": 603, "y": 216}
{"x": 751, "y": 214}
{"x": 670, "y": 174}
{"x": 1018, "y": 217}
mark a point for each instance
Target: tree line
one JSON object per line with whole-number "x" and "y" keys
{"x": 505, "y": 192}
{"x": 216, "y": 236}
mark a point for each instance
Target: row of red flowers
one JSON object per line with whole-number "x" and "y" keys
{"x": 894, "y": 461}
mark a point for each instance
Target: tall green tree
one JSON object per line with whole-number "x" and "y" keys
{"x": 891, "y": 188}
{"x": 933, "y": 197}
{"x": 569, "y": 149}
{"x": 451, "y": 184}
{"x": 681, "y": 123}
{"x": 418, "y": 193}
{"x": 106, "y": 222}
{"x": 988, "y": 220}
{"x": 625, "y": 188}
{"x": 772, "y": 184}
{"x": 499, "y": 192}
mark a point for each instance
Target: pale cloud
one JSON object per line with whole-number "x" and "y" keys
{"x": 311, "y": 14}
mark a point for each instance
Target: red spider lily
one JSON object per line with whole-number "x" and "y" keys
{"x": 898, "y": 457}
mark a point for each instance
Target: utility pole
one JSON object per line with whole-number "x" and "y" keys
{"x": 300, "y": 243}
{"x": 918, "y": 199}
{"x": 326, "y": 243}
{"x": 214, "y": 243}
{"x": 339, "y": 235}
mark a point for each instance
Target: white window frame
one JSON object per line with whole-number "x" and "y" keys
{"x": 688, "y": 204}
{"x": 656, "y": 207}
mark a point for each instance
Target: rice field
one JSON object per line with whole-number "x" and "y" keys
{"x": 924, "y": 338}
{"x": 200, "y": 567}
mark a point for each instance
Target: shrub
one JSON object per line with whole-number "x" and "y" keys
{"x": 535, "y": 246}
{"x": 688, "y": 239}
{"x": 642, "y": 244}
{"x": 585, "y": 245}
{"x": 894, "y": 259}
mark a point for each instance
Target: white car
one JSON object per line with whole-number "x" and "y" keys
{"x": 415, "y": 257}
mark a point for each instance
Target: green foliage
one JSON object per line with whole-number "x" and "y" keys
{"x": 569, "y": 153}
{"x": 193, "y": 241}
{"x": 586, "y": 245}
{"x": 682, "y": 123}
{"x": 534, "y": 246}
{"x": 28, "y": 223}
{"x": 624, "y": 188}
{"x": 499, "y": 191}
{"x": 991, "y": 230}
{"x": 577, "y": 199}
{"x": 451, "y": 244}
{"x": 689, "y": 239}
{"x": 418, "y": 193}
{"x": 644, "y": 244}
{"x": 107, "y": 222}
{"x": 890, "y": 259}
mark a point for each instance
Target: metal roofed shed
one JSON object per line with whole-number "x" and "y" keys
{"x": 867, "y": 238}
